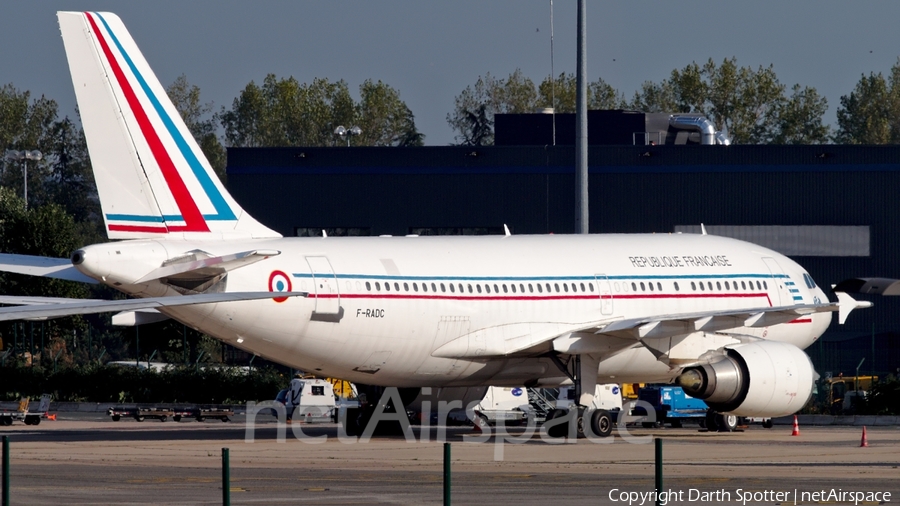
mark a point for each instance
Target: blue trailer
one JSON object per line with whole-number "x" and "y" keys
{"x": 672, "y": 405}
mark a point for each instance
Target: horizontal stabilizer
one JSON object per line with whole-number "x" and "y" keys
{"x": 222, "y": 263}
{"x": 45, "y": 267}
{"x": 91, "y": 306}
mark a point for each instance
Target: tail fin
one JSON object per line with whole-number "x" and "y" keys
{"x": 152, "y": 177}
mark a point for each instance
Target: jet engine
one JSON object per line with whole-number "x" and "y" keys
{"x": 765, "y": 378}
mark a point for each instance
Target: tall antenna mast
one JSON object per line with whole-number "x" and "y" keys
{"x": 552, "y": 78}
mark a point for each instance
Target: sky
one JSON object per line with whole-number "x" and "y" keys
{"x": 430, "y": 51}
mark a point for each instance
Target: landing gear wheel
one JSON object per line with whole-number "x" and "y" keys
{"x": 580, "y": 423}
{"x": 711, "y": 422}
{"x": 726, "y": 423}
{"x": 116, "y": 418}
{"x": 601, "y": 423}
{"x": 139, "y": 418}
{"x": 557, "y": 430}
{"x": 163, "y": 418}
{"x": 767, "y": 423}
{"x": 482, "y": 423}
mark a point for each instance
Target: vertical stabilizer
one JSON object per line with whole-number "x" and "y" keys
{"x": 153, "y": 179}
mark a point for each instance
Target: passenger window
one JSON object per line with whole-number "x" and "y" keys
{"x": 487, "y": 288}
{"x": 743, "y": 285}
{"x": 565, "y": 288}
{"x": 452, "y": 289}
{"x": 650, "y": 286}
{"x": 424, "y": 287}
{"x": 709, "y": 284}
{"x": 377, "y": 286}
{"x": 659, "y": 286}
{"x": 504, "y": 288}
{"x": 442, "y": 288}
{"x": 433, "y": 287}
{"x": 718, "y": 286}
{"x": 397, "y": 286}
{"x": 496, "y": 289}
{"x": 415, "y": 287}
{"x": 591, "y": 286}
{"x": 549, "y": 289}
{"x": 387, "y": 287}
{"x": 758, "y": 285}
{"x": 643, "y": 289}
{"x": 556, "y": 285}
{"x": 531, "y": 288}
{"x": 540, "y": 290}
{"x": 513, "y": 288}
{"x": 676, "y": 286}
{"x": 368, "y": 286}
{"x": 633, "y": 287}
{"x": 726, "y": 286}
{"x": 405, "y": 287}
{"x": 470, "y": 289}
{"x": 701, "y": 286}
{"x": 478, "y": 288}
{"x": 521, "y": 288}
{"x": 765, "y": 285}
{"x": 693, "y": 286}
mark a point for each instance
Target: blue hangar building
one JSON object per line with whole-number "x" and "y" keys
{"x": 834, "y": 209}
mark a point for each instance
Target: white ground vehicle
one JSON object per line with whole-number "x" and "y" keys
{"x": 309, "y": 400}
{"x": 506, "y": 404}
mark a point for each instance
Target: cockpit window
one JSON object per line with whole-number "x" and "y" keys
{"x": 809, "y": 280}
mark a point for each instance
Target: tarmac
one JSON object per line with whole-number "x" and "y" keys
{"x": 87, "y": 459}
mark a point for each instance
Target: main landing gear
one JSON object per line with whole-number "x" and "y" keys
{"x": 718, "y": 422}
{"x": 587, "y": 422}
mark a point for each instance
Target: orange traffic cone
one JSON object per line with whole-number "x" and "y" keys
{"x": 796, "y": 431}
{"x": 865, "y": 441}
{"x": 52, "y": 417}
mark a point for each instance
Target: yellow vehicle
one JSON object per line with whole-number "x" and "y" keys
{"x": 630, "y": 391}
{"x": 842, "y": 392}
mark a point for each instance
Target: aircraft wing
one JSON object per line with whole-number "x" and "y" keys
{"x": 55, "y": 307}
{"x": 56, "y": 268}
{"x": 608, "y": 336}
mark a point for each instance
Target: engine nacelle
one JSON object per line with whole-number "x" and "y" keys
{"x": 765, "y": 378}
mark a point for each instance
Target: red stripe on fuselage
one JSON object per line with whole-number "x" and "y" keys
{"x": 193, "y": 218}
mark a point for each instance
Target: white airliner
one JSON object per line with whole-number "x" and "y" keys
{"x": 726, "y": 319}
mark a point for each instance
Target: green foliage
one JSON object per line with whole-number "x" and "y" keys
{"x": 870, "y": 114}
{"x": 283, "y": 112}
{"x": 560, "y": 94}
{"x": 750, "y": 104}
{"x": 129, "y": 384}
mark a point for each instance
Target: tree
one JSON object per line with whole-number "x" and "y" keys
{"x": 750, "y": 103}
{"x": 474, "y": 109}
{"x": 283, "y": 112}
{"x": 870, "y": 114}
{"x": 199, "y": 120}
{"x": 560, "y": 93}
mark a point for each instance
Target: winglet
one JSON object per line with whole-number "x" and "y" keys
{"x": 846, "y": 304}
{"x": 702, "y": 229}
{"x": 506, "y": 230}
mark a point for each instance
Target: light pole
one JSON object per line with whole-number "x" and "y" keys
{"x": 342, "y": 132}
{"x": 23, "y": 155}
